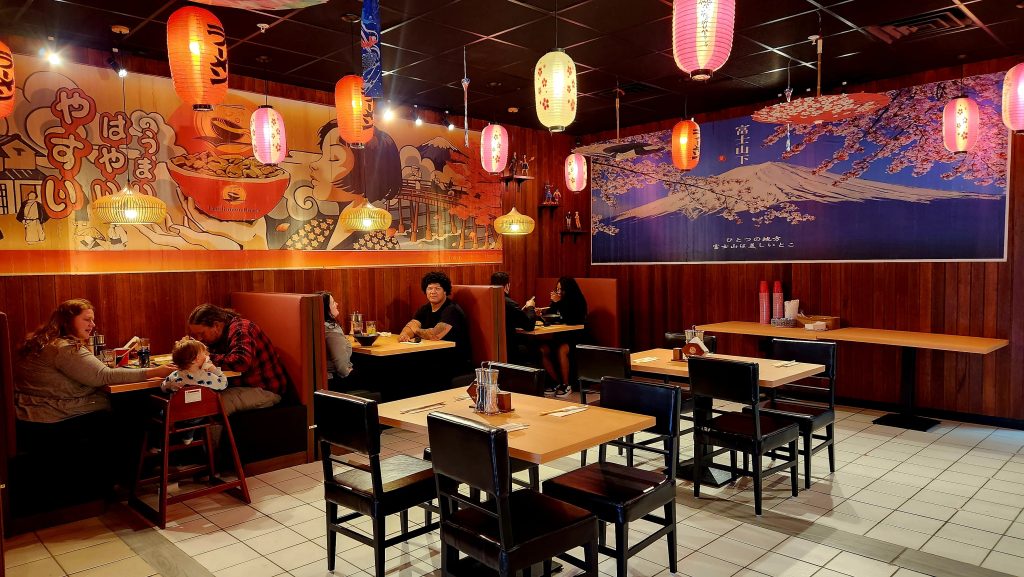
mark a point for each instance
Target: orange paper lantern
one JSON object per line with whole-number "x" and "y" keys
{"x": 197, "y": 50}
{"x": 6, "y": 80}
{"x": 960, "y": 124}
{"x": 355, "y": 111}
{"x": 686, "y": 145}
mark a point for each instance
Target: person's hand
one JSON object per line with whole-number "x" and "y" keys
{"x": 531, "y": 303}
{"x": 555, "y": 297}
{"x": 404, "y": 338}
{"x": 160, "y": 372}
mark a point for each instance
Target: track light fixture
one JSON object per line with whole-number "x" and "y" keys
{"x": 448, "y": 122}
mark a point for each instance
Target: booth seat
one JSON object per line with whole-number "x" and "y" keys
{"x": 485, "y": 312}
{"x": 282, "y": 435}
{"x": 602, "y": 296}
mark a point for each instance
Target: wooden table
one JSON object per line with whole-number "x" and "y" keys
{"x": 769, "y": 376}
{"x": 908, "y": 341}
{"x": 547, "y": 438}
{"x": 389, "y": 345}
{"x": 540, "y": 330}
{"x": 153, "y": 383}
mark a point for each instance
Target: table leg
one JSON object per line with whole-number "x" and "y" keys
{"x": 713, "y": 475}
{"x": 905, "y": 419}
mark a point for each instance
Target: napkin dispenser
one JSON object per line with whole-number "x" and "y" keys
{"x": 695, "y": 348}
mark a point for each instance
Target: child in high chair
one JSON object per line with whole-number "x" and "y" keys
{"x": 194, "y": 368}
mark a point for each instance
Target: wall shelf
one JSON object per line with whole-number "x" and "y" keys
{"x": 549, "y": 205}
{"x": 572, "y": 233}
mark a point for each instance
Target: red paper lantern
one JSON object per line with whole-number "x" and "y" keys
{"x": 267, "y": 132}
{"x": 6, "y": 80}
{"x": 702, "y": 35}
{"x": 576, "y": 172}
{"x": 494, "y": 148}
{"x": 1013, "y": 98}
{"x": 960, "y": 124}
{"x": 686, "y": 145}
{"x": 355, "y": 111}
{"x": 197, "y": 50}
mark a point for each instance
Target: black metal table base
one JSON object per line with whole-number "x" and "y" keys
{"x": 905, "y": 421}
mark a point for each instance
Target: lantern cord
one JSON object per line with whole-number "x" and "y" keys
{"x": 556, "y": 23}
{"x": 819, "y": 41}
{"x": 465, "y": 97}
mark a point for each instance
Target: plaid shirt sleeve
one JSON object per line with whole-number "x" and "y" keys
{"x": 250, "y": 352}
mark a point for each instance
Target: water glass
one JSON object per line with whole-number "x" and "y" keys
{"x": 144, "y": 353}
{"x": 357, "y": 327}
{"x": 107, "y": 356}
{"x": 371, "y": 327}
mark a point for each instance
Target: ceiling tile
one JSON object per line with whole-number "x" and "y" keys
{"x": 540, "y": 36}
{"x": 485, "y": 18}
{"x": 614, "y": 15}
{"x": 427, "y": 37}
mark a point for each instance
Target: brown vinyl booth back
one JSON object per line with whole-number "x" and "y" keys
{"x": 485, "y": 313}
{"x": 602, "y": 296}
{"x": 7, "y": 392}
{"x": 295, "y": 324}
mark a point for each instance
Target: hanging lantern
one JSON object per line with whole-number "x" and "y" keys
{"x": 554, "y": 84}
{"x": 267, "y": 132}
{"x": 1013, "y": 98}
{"x": 494, "y": 148}
{"x": 702, "y": 35}
{"x": 197, "y": 50}
{"x": 6, "y": 80}
{"x": 576, "y": 172}
{"x": 127, "y": 207}
{"x": 960, "y": 124}
{"x": 355, "y": 111}
{"x": 686, "y": 145}
{"x": 514, "y": 224}
{"x": 365, "y": 218}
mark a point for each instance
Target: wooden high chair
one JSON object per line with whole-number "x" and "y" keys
{"x": 173, "y": 416}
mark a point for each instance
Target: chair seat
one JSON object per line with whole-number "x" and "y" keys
{"x": 515, "y": 465}
{"x": 406, "y": 481}
{"x": 808, "y": 417}
{"x": 616, "y": 493}
{"x": 737, "y": 430}
{"x": 544, "y": 527}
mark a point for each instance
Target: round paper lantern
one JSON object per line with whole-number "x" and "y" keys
{"x": 6, "y": 80}
{"x": 267, "y": 132}
{"x": 365, "y": 218}
{"x": 1013, "y": 98}
{"x": 197, "y": 50}
{"x": 685, "y": 145}
{"x": 355, "y": 111}
{"x": 702, "y": 35}
{"x": 960, "y": 124}
{"x": 514, "y": 224}
{"x": 576, "y": 172}
{"x": 128, "y": 207}
{"x": 554, "y": 83}
{"x": 494, "y": 148}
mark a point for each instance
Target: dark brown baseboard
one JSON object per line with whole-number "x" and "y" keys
{"x": 275, "y": 463}
{"x": 18, "y": 525}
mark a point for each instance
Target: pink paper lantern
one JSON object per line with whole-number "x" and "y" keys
{"x": 960, "y": 124}
{"x": 494, "y": 148}
{"x": 702, "y": 35}
{"x": 1013, "y": 98}
{"x": 269, "y": 141}
{"x": 575, "y": 172}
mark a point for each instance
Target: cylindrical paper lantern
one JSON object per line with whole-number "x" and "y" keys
{"x": 702, "y": 35}
{"x": 1013, "y": 98}
{"x": 6, "y": 80}
{"x": 267, "y": 132}
{"x": 355, "y": 111}
{"x": 960, "y": 124}
{"x": 494, "y": 148}
{"x": 197, "y": 50}
{"x": 554, "y": 88}
{"x": 686, "y": 145}
{"x": 576, "y": 172}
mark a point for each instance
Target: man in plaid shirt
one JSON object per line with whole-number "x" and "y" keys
{"x": 237, "y": 344}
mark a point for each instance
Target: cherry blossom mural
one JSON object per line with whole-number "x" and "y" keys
{"x": 876, "y": 187}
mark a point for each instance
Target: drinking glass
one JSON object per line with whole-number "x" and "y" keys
{"x": 357, "y": 327}
{"x": 371, "y": 327}
{"x": 144, "y": 353}
{"x": 107, "y": 356}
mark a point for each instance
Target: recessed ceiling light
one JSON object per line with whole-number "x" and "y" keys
{"x": 119, "y": 29}
{"x": 350, "y": 18}
{"x": 494, "y": 83}
{"x": 513, "y": 109}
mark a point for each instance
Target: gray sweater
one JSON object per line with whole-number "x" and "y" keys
{"x": 339, "y": 351}
{"x": 64, "y": 380}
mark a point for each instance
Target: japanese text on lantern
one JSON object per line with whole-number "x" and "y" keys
{"x": 219, "y": 64}
{"x": 65, "y": 149}
{"x": 743, "y": 143}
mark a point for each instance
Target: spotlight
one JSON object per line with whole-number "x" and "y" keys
{"x": 416, "y": 115}
{"x": 51, "y": 56}
{"x": 120, "y": 70}
{"x": 448, "y": 121}
{"x": 389, "y": 112}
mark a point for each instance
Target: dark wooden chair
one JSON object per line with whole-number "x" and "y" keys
{"x": 382, "y": 488}
{"x": 189, "y": 412}
{"x": 593, "y": 363}
{"x": 754, "y": 434}
{"x": 620, "y": 494}
{"x": 802, "y": 402}
{"x": 511, "y": 531}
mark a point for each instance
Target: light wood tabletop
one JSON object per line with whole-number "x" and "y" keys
{"x": 541, "y": 330}
{"x": 388, "y": 345}
{"x": 759, "y": 330}
{"x": 547, "y": 438}
{"x": 933, "y": 341}
{"x": 659, "y": 362}
{"x": 153, "y": 383}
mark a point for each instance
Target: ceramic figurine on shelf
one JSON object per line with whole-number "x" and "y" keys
{"x": 548, "y": 199}
{"x": 577, "y": 219}
{"x": 568, "y": 222}
{"x": 512, "y": 165}
{"x": 524, "y": 166}
{"x": 557, "y": 198}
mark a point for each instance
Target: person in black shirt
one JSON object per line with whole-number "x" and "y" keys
{"x": 440, "y": 319}
{"x": 567, "y": 301}
{"x": 515, "y": 318}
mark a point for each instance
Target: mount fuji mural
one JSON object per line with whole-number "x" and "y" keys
{"x": 880, "y": 187}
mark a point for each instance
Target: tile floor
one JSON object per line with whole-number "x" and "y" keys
{"x": 901, "y": 503}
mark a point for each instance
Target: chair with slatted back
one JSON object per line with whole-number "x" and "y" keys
{"x": 753, "y": 433}
{"x": 811, "y": 406}
{"x": 621, "y": 494}
{"x": 191, "y": 412}
{"x": 381, "y": 488}
{"x": 510, "y": 531}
